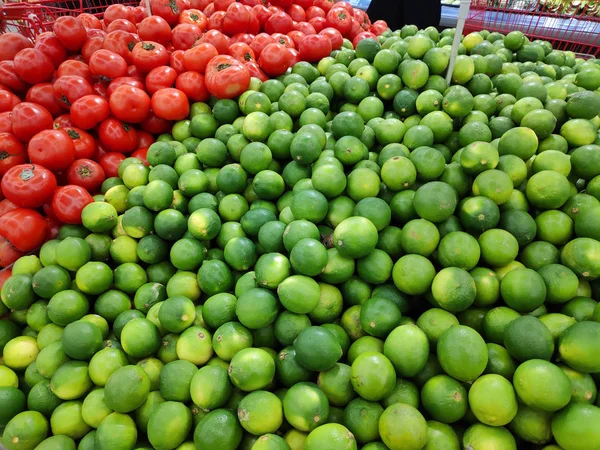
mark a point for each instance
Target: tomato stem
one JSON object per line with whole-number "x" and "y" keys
{"x": 84, "y": 171}
{"x": 65, "y": 100}
{"x": 73, "y": 134}
{"x": 194, "y": 17}
{"x": 27, "y": 174}
{"x": 223, "y": 66}
{"x": 174, "y": 7}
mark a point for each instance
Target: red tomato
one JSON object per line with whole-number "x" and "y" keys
{"x": 43, "y": 94}
{"x": 304, "y": 3}
{"x": 260, "y": 42}
{"x": 154, "y": 28}
{"x": 315, "y": 11}
{"x": 200, "y": 4}
{"x": 50, "y": 46}
{"x": 71, "y": 67}
{"x": 8, "y": 100}
{"x": 129, "y": 81}
{"x": 116, "y": 12}
{"x": 62, "y": 121}
{"x": 121, "y": 43}
{"x": 226, "y": 77}
{"x": 85, "y": 144}
{"x": 5, "y": 275}
{"x": 145, "y": 139}
{"x": 28, "y": 185}
{"x": 160, "y": 78}
{"x": 9, "y": 78}
{"x": 53, "y": 149}
{"x": 222, "y": 5}
{"x": 215, "y": 21}
{"x": 70, "y": 32}
{"x": 355, "y": 29}
{"x": 364, "y": 35}
{"x": 89, "y": 111}
{"x": 12, "y": 153}
{"x": 236, "y": 19}
{"x": 275, "y": 59}
{"x": 340, "y": 19}
{"x": 170, "y": 104}
{"x": 68, "y": 203}
{"x": 129, "y": 104}
{"x": 262, "y": 13}
{"x": 253, "y": 24}
{"x": 155, "y": 125}
{"x": 11, "y": 44}
{"x": 70, "y": 88}
{"x": 334, "y": 35}
{"x": 116, "y": 136}
{"x": 256, "y": 71}
{"x": 87, "y": 174}
{"x": 29, "y": 119}
{"x": 295, "y": 56}
{"x": 139, "y": 13}
{"x": 176, "y": 61}
{"x": 91, "y": 46}
{"x": 8, "y": 253}
{"x": 185, "y": 35}
{"x": 303, "y": 27}
{"x": 241, "y": 52}
{"x": 318, "y": 23}
{"x": 363, "y": 19}
{"x": 24, "y": 228}
{"x": 216, "y": 38}
{"x": 168, "y": 10}
{"x": 194, "y": 17}
{"x": 209, "y": 10}
{"x": 325, "y": 5}
{"x": 6, "y": 205}
{"x": 281, "y": 3}
{"x": 141, "y": 153}
{"x": 244, "y": 38}
{"x": 297, "y": 13}
{"x": 107, "y": 64}
{"x": 89, "y": 21}
{"x": 279, "y": 23}
{"x": 297, "y": 37}
{"x": 379, "y": 27}
{"x": 192, "y": 84}
{"x": 110, "y": 163}
{"x": 197, "y": 57}
{"x": 121, "y": 24}
{"x": 6, "y": 122}
{"x": 284, "y": 40}
{"x": 315, "y": 47}
{"x": 148, "y": 55}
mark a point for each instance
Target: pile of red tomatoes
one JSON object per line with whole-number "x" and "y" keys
{"x": 82, "y": 97}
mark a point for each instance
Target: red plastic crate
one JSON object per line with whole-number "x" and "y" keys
{"x": 566, "y": 27}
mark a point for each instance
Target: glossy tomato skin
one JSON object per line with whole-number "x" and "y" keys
{"x": 8, "y": 253}
{"x": 256, "y": 71}
{"x": 340, "y": 19}
{"x": 185, "y": 35}
{"x": 50, "y": 46}
{"x": 108, "y": 65}
{"x": 29, "y": 119}
{"x": 259, "y": 42}
{"x": 9, "y": 77}
{"x": 262, "y": 13}
{"x": 6, "y": 122}
{"x": 160, "y": 78}
{"x": 244, "y": 38}
{"x": 154, "y": 28}
{"x": 62, "y": 121}
{"x": 116, "y": 12}
{"x": 379, "y": 27}
{"x": 275, "y": 59}
{"x": 279, "y": 23}
{"x": 335, "y": 37}
{"x": 26, "y": 229}
{"x": 145, "y": 139}
{"x": 121, "y": 24}
{"x": 91, "y": 46}
{"x": 315, "y": 47}
{"x": 241, "y": 51}
{"x": 315, "y": 11}
{"x": 69, "y": 201}
{"x": 11, "y": 44}
{"x": 209, "y": 10}
{"x": 197, "y": 57}
{"x": 284, "y": 40}
{"x": 295, "y": 56}
{"x": 28, "y": 185}
{"x": 110, "y": 163}
{"x": 116, "y": 136}
{"x": 325, "y": 5}
{"x": 141, "y": 153}
{"x": 200, "y": 4}
{"x": 222, "y": 5}
{"x": 12, "y": 152}
{"x": 129, "y": 104}
{"x": 117, "y": 82}
{"x": 226, "y": 77}
{"x": 69, "y": 89}
{"x": 121, "y": 42}
{"x": 318, "y": 23}
{"x": 89, "y": 21}
{"x": 364, "y": 35}
{"x": 170, "y": 104}
{"x": 53, "y": 149}
{"x": 70, "y": 32}
{"x": 216, "y": 38}
{"x": 43, "y": 94}
{"x": 168, "y": 9}
{"x": 149, "y": 55}
{"x": 301, "y": 27}
{"x": 155, "y": 125}
{"x": 363, "y": 19}
{"x": 215, "y": 21}
{"x": 297, "y": 13}
{"x": 87, "y": 174}
{"x": 192, "y": 84}
{"x": 8, "y": 100}
{"x": 194, "y": 17}
{"x": 78, "y": 68}
{"x": 89, "y": 111}
{"x": 84, "y": 142}
{"x": 236, "y": 19}
{"x": 6, "y": 205}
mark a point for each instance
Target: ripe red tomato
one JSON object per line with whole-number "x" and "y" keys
{"x": 107, "y": 64}
{"x": 117, "y": 11}
{"x": 260, "y": 42}
{"x": 87, "y": 174}
{"x": 91, "y": 46}
{"x": 121, "y": 43}
{"x": 209, "y": 10}
{"x": 192, "y": 84}
{"x": 364, "y": 35}
{"x": 12, "y": 153}
{"x": 129, "y": 81}
{"x": 281, "y": 3}
{"x": 253, "y": 24}
{"x": 141, "y": 153}
{"x": 24, "y": 228}
{"x": 85, "y": 144}
{"x": 69, "y": 89}
{"x": 215, "y": 21}
{"x": 355, "y": 29}
{"x": 139, "y": 13}
{"x": 78, "y": 68}
{"x": 297, "y": 13}
{"x": 9, "y": 78}
{"x": 155, "y": 125}
{"x": 62, "y": 121}
{"x": 110, "y": 163}
{"x": 304, "y": 3}
{"x": 70, "y": 32}
{"x": 318, "y": 23}
{"x": 116, "y": 136}
{"x": 8, "y": 100}
{"x": 89, "y": 21}
{"x": 200, "y": 4}
{"x": 6, "y": 122}
{"x": 226, "y": 77}
{"x": 334, "y": 35}
{"x": 185, "y": 35}
{"x": 28, "y": 185}
{"x": 154, "y": 28}
{"x": 363, "y": 19}
{"x": 194, "y": 17}
{"x": 28, "y": 119}
{"x": 379, "y": 27}
{"x": 315, "y": 11}
{"x": 129, "y": 104}
{"x": 6, "y": 205}
{"x": 256, "y": 71}
{"x": 148, "y": 55}
{"x": 89, "y": 111}
{"x": 50, "y": 46}
{"x": 222, "y": 5}
{"x": 262, "y": 13}
{"x": 216, "y": 38}
{"x": 325, "y": 5}
{"x": 244, "y": 38}
{"x": 197, "y": 57}
{"x": 279, "y": 23}
{"x": 315, "y": 47}
{"x": 275, "y": 59}
{"x": 53, "y": 149}
{"x": 8, "y": 254}
{"x": 241, "y": 52}
{"x": 170, "y": 104}
{"x": 176, "y": 61}
{"x": 236, "y": 19}
{"x": 340, "y": 19}
{"x": 168, "y": 10}
{"x": 121, "y": 24}
{"x": 43, "y": 94}
{"x": 295, "y": 56}
{"x": 11, "y": 44}
{"x": 145, "y": 139}
{"x": 297, "y": 37}
{"x": 160, "y": 78}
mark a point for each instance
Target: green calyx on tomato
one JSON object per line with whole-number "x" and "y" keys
{"x": 73, "y": 134}
{"x": 27, "y": 174}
